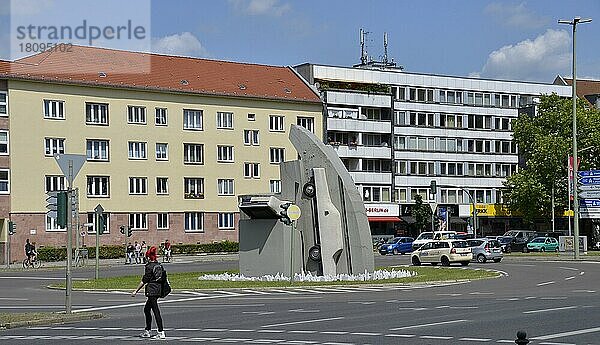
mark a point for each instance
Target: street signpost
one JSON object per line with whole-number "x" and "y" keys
{"x": 98, "y": 213}
{"x": 585, "y": 187}
{"x": 588, "y": 173}
{"x": 589, "y": 180}
{"x": 293, "y": 212}
{"x": 590, "y": 194}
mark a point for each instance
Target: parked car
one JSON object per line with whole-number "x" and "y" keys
{"x": 485, "y": 249}
{"x": 505, "y": 243}
{"x": 543, "y": 244}
{"x": 397, "y": 245}
{"x": 444, "y": 252}
{"x": 428, "y": 236}
{"x": 519, "y": 240}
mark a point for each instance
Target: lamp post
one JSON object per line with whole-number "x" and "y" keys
{"x": 573, "y": 23}
{"x": 474, "y": 210}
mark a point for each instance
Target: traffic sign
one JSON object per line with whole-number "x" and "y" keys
{"x": 589, "y": 187}
{"x": 589, "y": 202}
{"x": 586, "y": 173}
{"x": 70, "y": 164}
{"x": 293, "y": 212}
{"x": 590, "y": 180}
{"x": 590, "y": 194}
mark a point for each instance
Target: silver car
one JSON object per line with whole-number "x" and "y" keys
{"x": 485, "y": 249}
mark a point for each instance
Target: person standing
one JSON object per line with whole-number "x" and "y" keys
{"x": 129, "y": 252}
{"x": 152, "y": 281}
{"x": 144, "y": 250}
{"x": 138, "y": 252}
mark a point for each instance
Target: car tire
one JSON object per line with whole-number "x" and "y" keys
{"x": 445, "y": 261}
{"x": 383, "y": 253}
{"x": 314, "y": 253}
{"x": 508, "y": 250}
{"x": 415, "y": 261}
{"x": 497, "y": 260}
{"x": 465, "y": 263}
{"x": 542, "y": 249}
{"x": 556, "y": 250}
{"x": 481, "y": 258}
{"x": 395, "y": 251}
{"x": 525, "y": 250}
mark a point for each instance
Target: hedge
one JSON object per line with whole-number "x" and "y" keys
{"x": 118, "y": 251}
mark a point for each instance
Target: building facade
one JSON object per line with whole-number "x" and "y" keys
{"x": 166, "y": 152}
{"x": 398, "y": 131}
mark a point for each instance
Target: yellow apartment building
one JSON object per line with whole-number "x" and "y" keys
{"x": 167, "y": 150}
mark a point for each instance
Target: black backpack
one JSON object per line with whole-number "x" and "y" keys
{"x": 165, "y": 287}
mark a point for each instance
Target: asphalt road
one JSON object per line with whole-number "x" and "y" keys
{"x": 555, "y": 302}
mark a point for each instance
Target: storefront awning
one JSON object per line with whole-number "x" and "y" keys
{"x": 384, "y": 219}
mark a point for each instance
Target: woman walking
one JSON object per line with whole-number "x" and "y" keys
{"x": 152, "y": 274}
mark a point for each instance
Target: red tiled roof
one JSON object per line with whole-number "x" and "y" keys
{"x": 119, "y": 68}
{"x": 585, "y": 87}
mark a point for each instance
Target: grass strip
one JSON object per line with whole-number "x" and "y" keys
{"x": 189, "y": 280}
{"x": 14, "y": 320}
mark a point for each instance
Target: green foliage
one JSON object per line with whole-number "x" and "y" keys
{"x": 545, "y": 142}
{"x": 118, "y": 251}
{"x": 422, "y": 213}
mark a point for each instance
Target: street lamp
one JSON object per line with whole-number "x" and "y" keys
{"x": 474, "y": 210}
{"x": 573, "y": 23}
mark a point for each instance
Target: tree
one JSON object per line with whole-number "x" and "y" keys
{"x": 545, "y": 143}
{"x": 422, "y": 214}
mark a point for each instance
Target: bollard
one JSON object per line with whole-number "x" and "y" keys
{"x": 522, "y": 338}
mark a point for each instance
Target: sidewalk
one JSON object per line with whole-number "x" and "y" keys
{"x": 121, "y": 261}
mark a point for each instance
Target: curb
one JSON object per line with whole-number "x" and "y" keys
{"x": 63, "y": 318}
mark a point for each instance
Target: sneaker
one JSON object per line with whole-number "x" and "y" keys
{"x": 145, "y": 334}
{"x": 160, "y": 335}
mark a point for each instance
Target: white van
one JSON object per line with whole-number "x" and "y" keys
{"x": 429, "y": 236}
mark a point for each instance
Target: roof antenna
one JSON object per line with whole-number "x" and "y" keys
{"x": 363, "y": 50}
{"x": 385, "y": 53}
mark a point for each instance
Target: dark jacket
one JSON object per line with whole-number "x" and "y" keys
{"x": 152, "y": 278}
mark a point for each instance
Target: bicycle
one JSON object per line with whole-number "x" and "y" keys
{"x": 81, "y": 256}
{"x": 35, "y": 263}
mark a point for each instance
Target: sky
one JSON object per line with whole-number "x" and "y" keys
{"x": 514, "y": 40}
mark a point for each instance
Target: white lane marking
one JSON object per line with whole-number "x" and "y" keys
{"x": 270, "y": 331}
{"x": 194, "y": 293}
{"x": 581, "y": 273}
{"x": 304, "y": 310}
{"x": 285, "y": 291}
{"x": 398, "y": 301}
{"x": 416, "y": 309}
{"x": 400, "y": 335}
{"x": 228, "y": 293}
{"x": 300, "y": 322}
{"x": 308, "y": 291}
{"x": 546, "y": 283}
{"x": 435, "y": 337}
{"x": 258, "y": 292}
{"x": 366, "y": 333}
{"x": 38, "y": 278}
{"x": 508, "y": 299}
{"x": 450, "y": 294}
{"x": 241, "y": 330}
{"x": 338, "y": 343}
{"x": 43, "y": 306}
{"x": 549, "y": 309}
{"x": 481, "y": 293}
{"x": 303, "y": 332}
{"x": 506, "y": 341}
{"x": 334, "y": 332}
{"x": 328, "y": 290}
{"x": 13, "y": 299}
{"x": 586, "y": 291}
{"x": 363, "y": 303}
{"x": 567, "y": 334}
{"x": 483, "y": 340}
{"x": 428, "y": 324}
{"x": 553, "y": 298}
{"x": 569, "y": 268}
{"x": 548, "y": 343}
{"x": 531, "y": 297}
{"x": 143, "y": 303}
{"x": 569, "y": 278}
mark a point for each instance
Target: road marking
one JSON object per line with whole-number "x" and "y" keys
{"x": 285, "y": 291}
{"x": 483, "y": 340}
{"x": 241, "y": 330}
{"x": 481, "y": 293}
{"x": 305, "y": 321}
{"x": 435, "y": 337}
{"x": 416, "y": 309}
{"x": 334, "y": 332}
{"x": 303, "y": 332}
{"x": 38, "y": 278}
{"x": 546, "y": 283}
{"x": 581, "y": 273}
{"x": 363, "y": 303}
{"x": 400, "y": 335}
{"x": 585, "y": 291}
{"x": 567, "y": 334}
{"x": 569, "y": 278}
{"x": 13, "y": 299}
{"x": 428, "y": 324}
{"x": 366, "y": 333}
{"x": 43, "y": 306}
{"x": 258, "y": 292}
{"x": 553, "y": 298}
{"x": 304, "y": 310}
{"x": 194, "y": 293}
{"x": 398, "y": 301}
{"x": 547, "y": 343}
{"x": 88, "y": 308}
{"x": 450, "y": 294}
{"x": 228, "y": 293}
{"x": 569, "y": 268}
{"x": 550, "y": 309}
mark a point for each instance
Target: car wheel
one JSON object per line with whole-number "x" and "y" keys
{"x": 508, "y": 250}
{"x": 525, "y": 250}
{"x": 556, "y": 250}
{"x": 445, "y": 261}
{"x": 383, "y": 253}
{"x": 497, "y": 260}
{"x": 416, "y": 261}
{"x": 465, "y": 263}
{"x": 395, "y": 251}
{"x": 314, "y": 253}
{"x": 542, "y": 249}
{"x": 481, "y": 258}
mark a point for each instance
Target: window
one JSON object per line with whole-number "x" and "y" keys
{"x": 162, "y": 151}
{"x": 55, "y": 183}
{"x": 97, "y": 150}
{"x": 375, "y": 194}
{"x": 53, "y": 109}
{"x": 276, "y": 123}
{"x": 224, "y": 120}
{"x": 225, "y": 186}
{"x": 4, "y": 181}
{"x": 224, "y": 153}
{"x": 251, "y": 117}
{"x": 91, "y": 218}
{"x": 275, "y": 186}
{"x": 306, "y": 122}
{"x": 277, "y": 155}
{"x": 138, "y": 221}
{"x": 452, "y": 196}
{"x": 3, "y": 142}
{"x": 193, "y": 188}
{"x": 226, "y": 221}
{"x": 136, "y": 115}
{"x": 192, "y": 119}
{"x": 423, "y": 192}
{"x": 193, "y": 153}
{"x": 194, "y": 221}
{"x": 137, "y": 150}
{"x": 51, "y": 224}
{"x": 252, "y": 170}
{"x": 3, "y": 103}
{"x": 138, "y": 185}
{"x": 54, "y": 145}
{"x": 162, "y": 221}
{"x": 251, "y": 137}
{"x": 160, "y": 117}
{"x": 96, "y": 113}
{"x": 162, "y": 185}
{"x": 98, "y": 186}
{"x": 400, "y": 118}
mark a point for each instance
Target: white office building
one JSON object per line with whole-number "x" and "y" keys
{"x": 397, "y": 131}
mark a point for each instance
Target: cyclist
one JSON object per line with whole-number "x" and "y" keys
{"x": 167, "y": 250}
{"x": 30, "y": 251}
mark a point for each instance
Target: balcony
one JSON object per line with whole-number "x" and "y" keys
{"x": 355, "y": 151}
{"x": 365, "y": 177}
{"x": 354, "y": 125}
